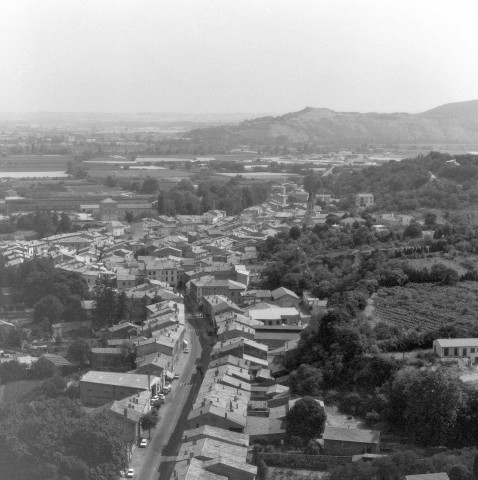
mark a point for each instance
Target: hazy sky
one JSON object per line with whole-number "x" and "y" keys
{"x": 236, "y": 55}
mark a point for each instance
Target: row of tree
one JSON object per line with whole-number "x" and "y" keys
{"x": 185, "y": 199}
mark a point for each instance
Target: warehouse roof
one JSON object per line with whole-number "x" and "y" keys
{"x": 131, "y": 380}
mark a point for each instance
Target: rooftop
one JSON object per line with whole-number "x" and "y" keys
{"x": 131, "y": 380}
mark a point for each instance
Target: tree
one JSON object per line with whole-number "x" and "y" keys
{"x": 121, "y": 307}
{"x": 65, "y": 223}
{"x": 128, "y": 351}
{"x": 49, "y": 308}
{"x": 294, "y": 232}
{"x": 430, "y": 219}
{"x": 105, "y": 304}
{"x": 414, "y": 230}
{"x": 306, "y": 419}
{"x": 150, "y": 186}
{"x": 428, "y": 422}
{"x": 79, "y": 352}
{"x": 200, "y": 369}
{"x": 42, "y": 368}
{"x": 148, "y": 421}
{"x": 306, "y": 380}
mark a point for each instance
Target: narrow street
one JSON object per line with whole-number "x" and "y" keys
{"x": 156, "y": 461}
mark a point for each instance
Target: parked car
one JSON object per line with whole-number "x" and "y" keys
{"x": 161, "y": 397}
{"x": 186, "y": 350}
{"x": 143, "y": 443}
{"x": 154, "y": 399}
{"x": 166, "y": 388}
{"x": 130, "y": 473}
{"x": 176, "y": 376}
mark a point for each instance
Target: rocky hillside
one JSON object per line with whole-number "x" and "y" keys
{"x": 454, "y": 123}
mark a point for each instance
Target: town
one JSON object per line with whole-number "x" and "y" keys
{"x": 238, "y": 240}
{"x": 180, "y": 333}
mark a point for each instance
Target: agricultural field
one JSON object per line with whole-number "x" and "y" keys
{"x": 426, "y": 306}
{"x": 166, "y": 173}
{"x": 19, "y": 163}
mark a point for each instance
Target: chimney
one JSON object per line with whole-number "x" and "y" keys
{"x": 125, "y": 412}
{"x": 225, "y": 415}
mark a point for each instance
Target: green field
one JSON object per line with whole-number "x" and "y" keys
{"x": 426, "y": 306}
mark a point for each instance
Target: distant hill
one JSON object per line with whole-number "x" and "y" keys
{"x": 454, "y": 123}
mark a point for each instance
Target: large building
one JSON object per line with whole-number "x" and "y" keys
{"x": 363, "y": 200}
{"x": 99, "y": 388}
{"x": 457, "y": 347}
{"x": 108, "y": 210}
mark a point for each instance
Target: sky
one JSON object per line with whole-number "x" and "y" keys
{"x": 213, "y": 56}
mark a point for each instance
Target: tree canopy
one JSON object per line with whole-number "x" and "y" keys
{"x": 306, "y": 419}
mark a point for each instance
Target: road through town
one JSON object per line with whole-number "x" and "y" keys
{"x": 157, "y": 460}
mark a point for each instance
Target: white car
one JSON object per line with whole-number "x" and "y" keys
{"x": 167, "y": 388}
{"x": 186, "y": 350}
{"x": 144, "y": 443}
{"x": 130, "y": 473}
{"x": 154, "y": 399}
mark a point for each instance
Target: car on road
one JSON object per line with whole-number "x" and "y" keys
{"x": 130, "y": 473}
{"x": 186, "y": 350}
{"x": 176, "y": 376}
{"x": 143, "y": 443}
{"x": 158, "y": 397}
{"x": 166, "y": 389}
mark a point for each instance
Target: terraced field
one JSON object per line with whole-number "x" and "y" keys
{"x": 427, "y": 306}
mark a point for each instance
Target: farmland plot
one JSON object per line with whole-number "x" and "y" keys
{"x": 427, "y": 306}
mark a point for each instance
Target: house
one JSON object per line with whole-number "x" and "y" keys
{"x": 350, "y": 441}
{"x": 457, "y": 347}
{"x": 283, "y": 297}
{"x": 98, "y": 388}
{"x": 216, "y": 416}
{"x": 59, "y": 362}
{"x": 115, "y": 228}
{"x": 207, "y": 431}
{"x": 219, "y": 468}
{"x": 123, "y": 330}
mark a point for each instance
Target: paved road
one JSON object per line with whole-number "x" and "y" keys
{"x": 154, "y": 462}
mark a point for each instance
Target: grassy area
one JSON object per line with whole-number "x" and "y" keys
{"x": 17, "y": 391}
{"x": 427, "y": 306}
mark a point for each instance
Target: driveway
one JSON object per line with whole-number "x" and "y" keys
{"x": 157, "y": 459}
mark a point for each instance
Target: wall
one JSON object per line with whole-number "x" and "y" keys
{"x": 337, "y": 447}
{"x": 96, "y": 394}
{"x": 299, "y": 460}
